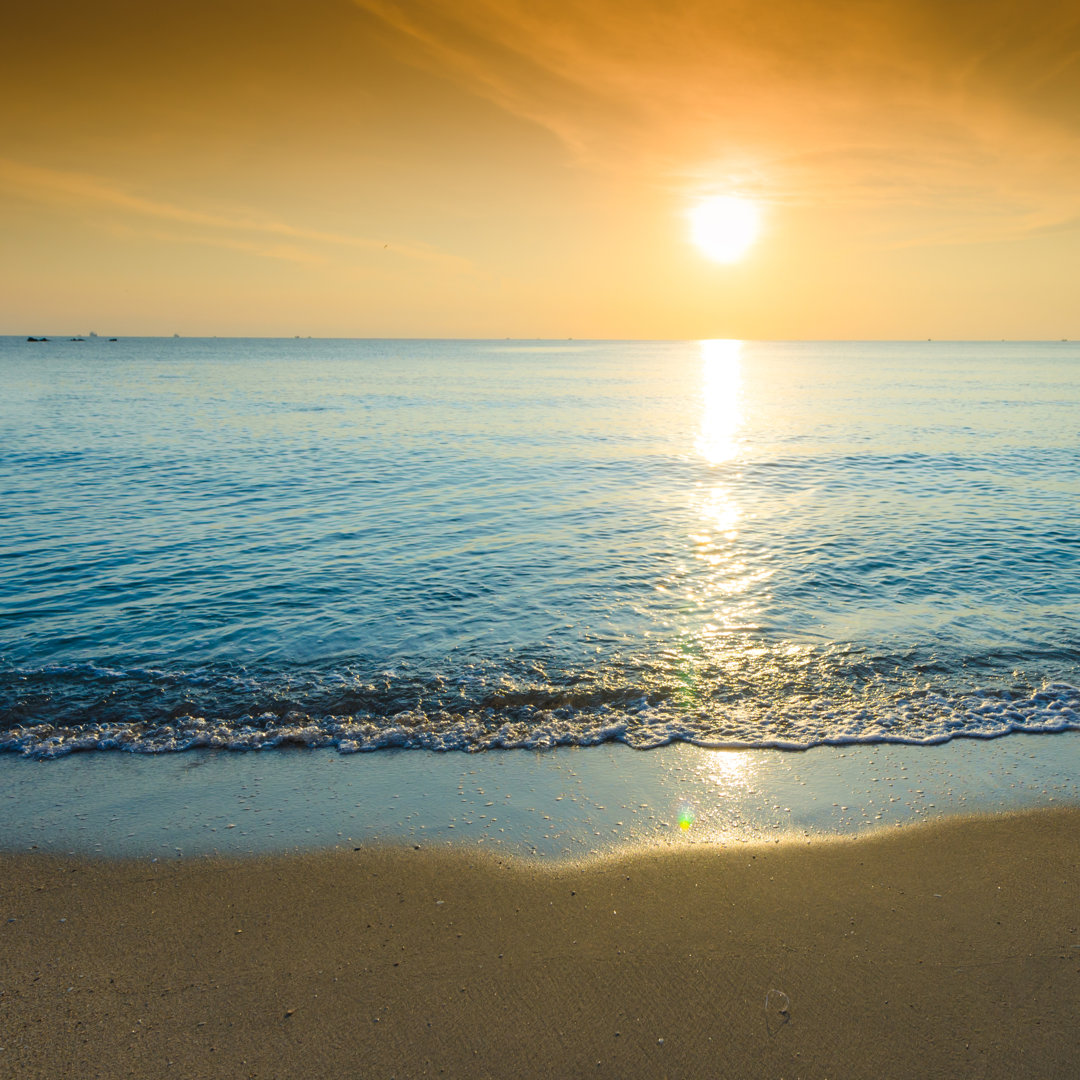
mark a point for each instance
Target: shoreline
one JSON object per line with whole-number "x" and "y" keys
{"x": 947, "y": 948}
{"x": 560, "y": 804}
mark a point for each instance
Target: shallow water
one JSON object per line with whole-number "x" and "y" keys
{"x": 470, "y": 545}
{"x": 567, "y": 803}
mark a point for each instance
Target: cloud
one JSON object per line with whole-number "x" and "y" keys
{"x": 264, "y": 249}
{"x": 972, "y": 108}
{"x": 83, "y": 191}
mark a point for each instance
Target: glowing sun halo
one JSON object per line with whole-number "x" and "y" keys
{"x": 724, "y": 227}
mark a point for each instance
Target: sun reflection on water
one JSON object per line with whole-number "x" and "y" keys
{"x": 721, "y": 371}
{"x": 719, "y": 585}
{"x": 727, "y": 574}
{"x": 720, "y": 809}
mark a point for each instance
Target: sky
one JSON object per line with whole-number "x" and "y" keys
{"x": 525, "y": 168}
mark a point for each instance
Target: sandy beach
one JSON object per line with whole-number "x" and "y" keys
{"x": 947, "y": 949}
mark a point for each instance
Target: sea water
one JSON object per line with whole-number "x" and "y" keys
{"x": 481, "y": 545}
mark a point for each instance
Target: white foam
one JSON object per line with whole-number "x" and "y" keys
{"x": 926, "y": 719}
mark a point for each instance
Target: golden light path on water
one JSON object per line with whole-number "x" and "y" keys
{"x": 721, "y": 385}
{"x": 720, "y": 594}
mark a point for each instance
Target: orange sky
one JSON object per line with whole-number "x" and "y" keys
{"x": 481, "y": 168}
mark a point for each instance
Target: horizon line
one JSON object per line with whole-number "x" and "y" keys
{"x": 67, "y": 337}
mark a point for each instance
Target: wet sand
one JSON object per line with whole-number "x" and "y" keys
{"x": 948, "y": 949}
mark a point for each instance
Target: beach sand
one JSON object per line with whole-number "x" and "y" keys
{"x": 949, "y": 949}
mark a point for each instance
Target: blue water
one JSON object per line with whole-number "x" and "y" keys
{"x": 470, "y": 545}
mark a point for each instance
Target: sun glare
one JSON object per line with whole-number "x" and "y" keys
{"x": 724, "y": 227}
{"x": 722, "y": 414}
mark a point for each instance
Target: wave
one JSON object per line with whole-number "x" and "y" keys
{"x": 477, "y": 712}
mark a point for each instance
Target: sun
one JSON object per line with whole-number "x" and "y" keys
{"x": 724, "y": 227}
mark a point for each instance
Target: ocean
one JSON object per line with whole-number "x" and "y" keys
{"x": 504, "y": 545}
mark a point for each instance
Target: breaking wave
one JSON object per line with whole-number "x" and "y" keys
{"x": 51, "y": 712}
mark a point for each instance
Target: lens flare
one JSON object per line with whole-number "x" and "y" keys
{"x": 686, "y": 818}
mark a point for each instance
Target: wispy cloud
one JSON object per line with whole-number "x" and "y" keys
{"x": 83, "y": 191}
{"x": 264, "y": 248}
{"x": 963, "y": 108}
